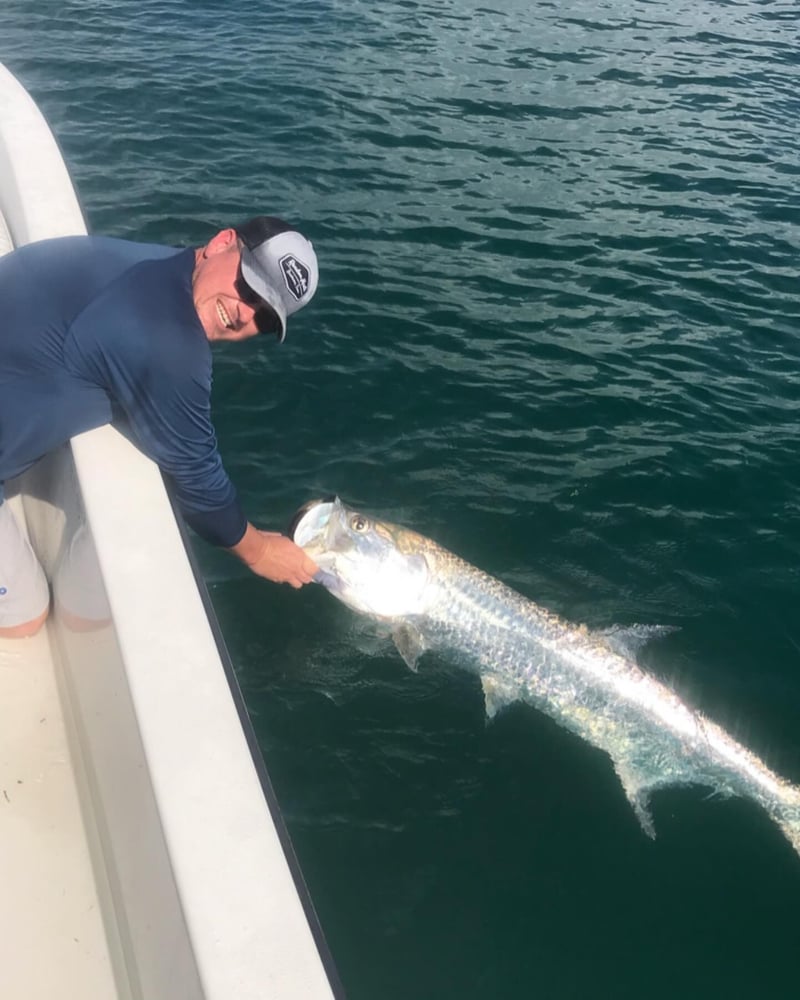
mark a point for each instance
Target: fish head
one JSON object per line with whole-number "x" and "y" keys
{"x": 373, "y": 567}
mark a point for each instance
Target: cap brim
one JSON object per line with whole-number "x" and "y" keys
{"x": 265, "y": 291}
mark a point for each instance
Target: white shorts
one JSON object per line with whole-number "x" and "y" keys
{"x": 24, "y": 593}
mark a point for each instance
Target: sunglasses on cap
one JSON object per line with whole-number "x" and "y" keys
{"x": 265, "y": 318}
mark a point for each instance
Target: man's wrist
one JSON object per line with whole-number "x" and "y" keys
{"x": 251, "y": 547}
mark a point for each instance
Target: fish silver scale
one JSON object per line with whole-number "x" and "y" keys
{"x": 524, "y": 652}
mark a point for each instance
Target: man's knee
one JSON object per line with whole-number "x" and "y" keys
{"x": 24, "y": 591}
{"x": 26, "y": 629}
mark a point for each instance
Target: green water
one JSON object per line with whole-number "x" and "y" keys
{"x": 556, "y": 331}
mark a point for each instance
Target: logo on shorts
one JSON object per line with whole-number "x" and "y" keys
{"x": 295, "y": 275}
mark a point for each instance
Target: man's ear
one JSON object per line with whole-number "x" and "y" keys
{"x": 224, "y": 239}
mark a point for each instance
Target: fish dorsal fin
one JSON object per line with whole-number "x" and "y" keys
{"x": 409, "y": 642}
{"x": 627, "y": 640}
{"x": 497, "y": 694}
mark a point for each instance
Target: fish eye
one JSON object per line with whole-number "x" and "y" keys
{"x": 359, "y": 523}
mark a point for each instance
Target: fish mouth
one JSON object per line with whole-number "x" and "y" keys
{"x": 310, "y": 519}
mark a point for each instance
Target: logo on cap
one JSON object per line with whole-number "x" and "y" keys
{"x": 295, "y": 275}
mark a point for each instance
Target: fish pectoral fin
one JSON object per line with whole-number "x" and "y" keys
{"x": 409, "y": 642}
{"x": 496, "y": 695}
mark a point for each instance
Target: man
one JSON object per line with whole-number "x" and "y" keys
{"x": 94, "y": 329}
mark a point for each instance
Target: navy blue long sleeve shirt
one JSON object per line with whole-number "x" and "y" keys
{"x": 94, "y": 330}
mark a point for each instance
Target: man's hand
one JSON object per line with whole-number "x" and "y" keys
{"x": 275, "y": 557}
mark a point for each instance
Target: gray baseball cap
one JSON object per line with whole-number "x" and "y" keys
{"x": 279, "y": 265}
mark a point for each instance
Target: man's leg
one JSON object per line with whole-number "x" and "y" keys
{"x": 79, "y": 595}
{"x": 24, "y": 594}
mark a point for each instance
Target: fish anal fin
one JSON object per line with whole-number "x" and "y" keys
{"x": 496, "y": 695}
{"x": 410, "y": 644}
{"x": 637, "y": 792}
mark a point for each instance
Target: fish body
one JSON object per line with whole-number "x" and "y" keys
{"x": 586, "y": 681}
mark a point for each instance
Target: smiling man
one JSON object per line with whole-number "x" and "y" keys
{"x": 95, "y": 330}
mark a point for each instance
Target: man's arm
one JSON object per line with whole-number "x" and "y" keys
{"x": 275, "y": 557}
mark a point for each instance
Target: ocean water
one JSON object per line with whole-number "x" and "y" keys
{"x": 557, "y": 330}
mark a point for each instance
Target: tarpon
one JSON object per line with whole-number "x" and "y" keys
{"x": 588, "y": 681}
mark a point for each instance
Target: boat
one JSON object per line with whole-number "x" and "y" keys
{"x": 143, "y": 855}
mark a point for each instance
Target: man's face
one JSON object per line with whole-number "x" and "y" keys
{"x": 223, "y": 313}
